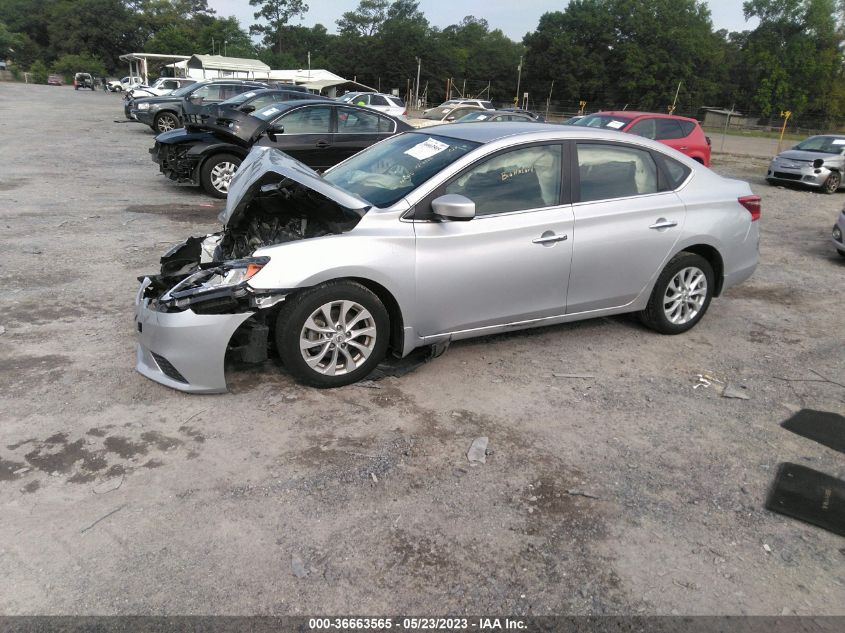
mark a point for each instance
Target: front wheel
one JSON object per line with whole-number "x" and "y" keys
{"x": 217, "y": 172}
{"x": 333, "y": 334}
{"x": 681, "y": 295}
{"x": 166, "y": 121}
{"x": 831, "y": 185}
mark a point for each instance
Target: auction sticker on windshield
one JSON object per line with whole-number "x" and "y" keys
{"x": 426, "y": 149}
{"x": 616, "y": 124}
{"x": 839, "y": 141}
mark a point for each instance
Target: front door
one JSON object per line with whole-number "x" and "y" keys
{"x": 511, "y": 262}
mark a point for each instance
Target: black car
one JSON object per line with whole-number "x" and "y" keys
{"x": 495, "y": 116}
{"x": 319, "y": 133}
{"x": 167, "y": 112}
{"x": 251, "y": 101}
{"x": 534, "y": 116}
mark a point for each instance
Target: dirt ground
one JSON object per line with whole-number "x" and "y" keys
{"x": 628, "y": 493}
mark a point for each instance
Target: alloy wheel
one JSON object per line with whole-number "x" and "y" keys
{"x": 221, "y": 175}
{"x": 685, "y": 295}
{"x": 167, "y": 122}
{"x": 338, "y": 337}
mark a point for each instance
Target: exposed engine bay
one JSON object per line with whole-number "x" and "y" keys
{"x": 209, "y": 274}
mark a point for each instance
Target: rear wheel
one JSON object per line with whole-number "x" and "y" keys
{"x": 333, "y": 334}
{"x": 217, "y": 172}
{"x": 166, "y": 121}
{"x": 681, "y": 295}
{"x": 831, "y": 185}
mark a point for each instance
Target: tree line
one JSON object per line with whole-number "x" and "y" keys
{"x": 607, "y": 53}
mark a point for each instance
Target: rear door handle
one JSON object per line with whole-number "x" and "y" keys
{"x": 323, "y": 144}
{"x": 663, "y": 223}
{"x": 549, "y": 239}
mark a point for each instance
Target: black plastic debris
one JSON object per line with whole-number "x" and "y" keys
{"x": 810, "y": 496}
{"x": 398, "y": 367}
{"x": 823, "y": 427}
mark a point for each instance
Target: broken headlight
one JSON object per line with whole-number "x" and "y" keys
{"x": 222, "y": 282}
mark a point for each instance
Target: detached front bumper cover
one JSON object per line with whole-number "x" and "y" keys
{"x": 184, "y": 334}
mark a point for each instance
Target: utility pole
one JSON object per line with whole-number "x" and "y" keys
{"x": 309, "y": 65}
{"x": 549, "y": 100}
{"x": 518, "y": 81}
{"x": 417, "y": 85}
{"x": 674, "y": 103}
{"x": 727, "y": 123}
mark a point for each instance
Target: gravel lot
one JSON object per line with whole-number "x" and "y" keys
{"x": 120, "y": 496}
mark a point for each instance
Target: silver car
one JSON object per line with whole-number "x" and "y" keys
{"x": 818, "y": 161}
{"x": 427, "y": 238}
{"x": 838, "y": 236}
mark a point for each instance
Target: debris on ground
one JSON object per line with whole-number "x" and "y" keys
{"x": 705, "y": 380}
{"x": 735, "y": 392}
{"x": 368, "y": 384}
{"x": 478, "y": 450}
{"x": 767, "y": 548}
{"x": 580, "y": 493}
{"x": 556, "y": 375}
{"x": 375, "y": 479}
{"x": 2, "y": 330}
{"x": 297, "y": 566}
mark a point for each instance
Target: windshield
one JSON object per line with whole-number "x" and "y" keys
{"x": 349, "y": 96}
{"x": 384, "y": 173}
{"x": 605, "y": 121}
{"x": 822, "y": 144}
{"x": 474, "y": 116}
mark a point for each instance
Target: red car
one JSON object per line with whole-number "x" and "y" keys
{"x": 678, "y": 132}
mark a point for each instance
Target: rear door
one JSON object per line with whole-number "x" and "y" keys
{"x": 625, "y": 226}
{"x": 357, "y": 129}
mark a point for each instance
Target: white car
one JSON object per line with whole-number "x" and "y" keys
{"x": 125, "y": 84}
{"x": 389, "y": 104}
{"x": 454, "y": 103}
{"x": 161, "y": 86}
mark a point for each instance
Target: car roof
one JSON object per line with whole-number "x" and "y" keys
{"x": 633, "y": 114}
{"x": 551, "y": 131}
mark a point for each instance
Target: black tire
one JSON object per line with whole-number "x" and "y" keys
{"x": 208, "y": 180}
{"x": 166, "y": 121}
{"x": 654, "y": 315}
{"x": 291, "y": 327}
{"x": 831, "y": 185}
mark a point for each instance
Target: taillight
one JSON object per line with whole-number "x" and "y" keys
{"x": 405, "y": 113}
{"x": 752, "y": 203}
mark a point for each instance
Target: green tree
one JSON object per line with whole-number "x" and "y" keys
{"x": 365, "y": 20}
{"x": 38, "y": 72}
{"x": 9, "y": 42}
{"x": 68, "y": 65}
{"x": 276, "y": 13}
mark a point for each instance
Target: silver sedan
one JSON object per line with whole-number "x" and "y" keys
{"x": 817, "y": 162}
{"x": 435, "y": 236}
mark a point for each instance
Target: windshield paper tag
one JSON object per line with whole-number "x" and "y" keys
{"x": 839, "y": 141}
{"x": 248, "y": 95}
{"x": 270, "y": 111}
{"x": 481, "y": 117}
{"x": 615, "y": 124}
{"x": 426, "y": 149}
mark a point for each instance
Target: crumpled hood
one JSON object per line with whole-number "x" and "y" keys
{"x": 799, "y": 155}
{"x": 232, "y": 124}
{"x": 267, "y": 160}
{"x": 183, "y": 135}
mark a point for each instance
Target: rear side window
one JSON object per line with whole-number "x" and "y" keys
{"x": 378, "y": 100}
{"x": 352, "y": 121}
{"x": 675, "y": 173}
{"x": 396, "y": 101}
{"x": 307, "y": 120}
{"x": 669, "y": 129}
{"x": 687, "y": 127}
{"x": 615, "y": 171}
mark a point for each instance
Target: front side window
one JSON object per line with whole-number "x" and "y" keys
{"x": 647, "y": 128}
{"x": 516, "y": 180}
{"x": 316, "y": 120}
{"x": 615, "y": 171}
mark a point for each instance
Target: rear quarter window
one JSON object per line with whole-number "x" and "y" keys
{"x": 673, "y": 173}
{"x": 687, "y": 127}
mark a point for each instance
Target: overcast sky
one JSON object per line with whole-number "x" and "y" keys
{"x": 514, "y": 18}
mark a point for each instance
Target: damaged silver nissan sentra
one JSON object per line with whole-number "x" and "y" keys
{"x": 438, "y": 235}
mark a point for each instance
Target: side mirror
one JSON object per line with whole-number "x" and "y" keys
{"x": 247, "y": 109}
{"x": 275, "y": 129}
{"x": 454, "y": 207}
{"x": 195, "y": 98}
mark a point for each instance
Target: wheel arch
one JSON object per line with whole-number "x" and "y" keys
{"x": 394, "y": 312}
{"x": 714, "y": 258}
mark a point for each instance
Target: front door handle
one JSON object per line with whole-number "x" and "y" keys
{"x": 549, "y": 238}
{"x": 663, "y": 223}
{"x": 322, "y": 144}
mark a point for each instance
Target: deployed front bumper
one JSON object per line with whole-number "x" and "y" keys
{"x": 184, "y": 350}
